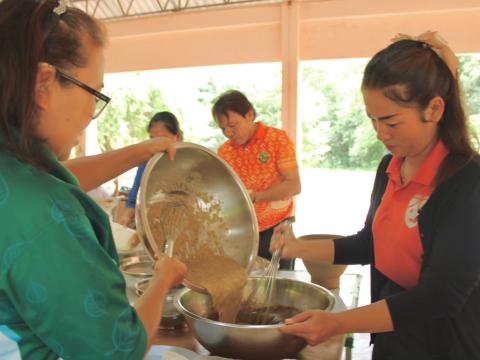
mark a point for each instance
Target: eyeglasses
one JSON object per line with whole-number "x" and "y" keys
{"x": 101, "y": 100}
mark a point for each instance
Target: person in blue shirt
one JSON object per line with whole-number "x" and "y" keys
{"x": 162, "y": 124}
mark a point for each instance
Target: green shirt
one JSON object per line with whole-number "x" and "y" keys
{"x": 60, "y": 287}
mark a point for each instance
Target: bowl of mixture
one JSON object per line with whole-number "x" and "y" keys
{"x": 216, "y": 217}
{"x": 242, "y": 340}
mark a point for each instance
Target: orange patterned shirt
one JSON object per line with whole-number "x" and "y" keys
{"x": 259, "y": 164}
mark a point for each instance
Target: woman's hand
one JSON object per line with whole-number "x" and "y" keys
{"x": 253, "y": 195}
{"x": 134, "y": 240}
{"x": 283, "y": 238}
{"x": 158, "y": 144}
{"x": 315, "y": 326}
{"x": 127, "y": 217}
{"x": 168, "y": 271}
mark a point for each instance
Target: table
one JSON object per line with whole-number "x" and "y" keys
{"x": 329, "y": 350}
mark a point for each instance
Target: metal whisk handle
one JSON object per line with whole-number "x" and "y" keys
{"x": 168, "y": 247}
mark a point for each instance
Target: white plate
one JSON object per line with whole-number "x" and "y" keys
{"x": 157, "y": 352}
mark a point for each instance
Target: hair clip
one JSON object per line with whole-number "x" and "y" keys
{"x": 61, "y": 8}
{"x": 433, "y": 40}
{"x": 53, "y": 18}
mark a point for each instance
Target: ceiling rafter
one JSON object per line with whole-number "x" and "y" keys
{"x": 117, "y": 9}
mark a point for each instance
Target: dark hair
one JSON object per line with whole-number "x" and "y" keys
{"x": 234, "y": 101}
{"x": 169, "y": 120}
{"x": 411, "y": 74}
{"x": 29, "y": 34}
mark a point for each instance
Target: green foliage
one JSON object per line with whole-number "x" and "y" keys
{"x": 207, "y": 95}
{"x": 125, "y": 120}
{"x": 267, "y": 103}
{"x": 108, "y": 128}
{"x": 336, "y": 133}
{"x": 470, "y": 81}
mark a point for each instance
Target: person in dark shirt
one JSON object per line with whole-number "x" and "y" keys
{"x": 421, "y": 234}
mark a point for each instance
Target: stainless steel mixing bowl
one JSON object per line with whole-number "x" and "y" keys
{"x": 219, "y": 181}
{"x": 252, "y": 341}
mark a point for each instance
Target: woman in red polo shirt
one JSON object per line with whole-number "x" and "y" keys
{"x": 421, "y": 234}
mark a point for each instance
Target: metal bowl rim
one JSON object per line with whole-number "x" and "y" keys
{"x": 185, "y": 311}
{"x": 128, "y": 261}
{"x": 141, "y": 216}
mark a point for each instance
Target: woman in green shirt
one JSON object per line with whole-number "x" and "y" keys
{"x": 61, "y": 292}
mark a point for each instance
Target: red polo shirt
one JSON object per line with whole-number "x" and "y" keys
{"x": 397, "y": 245}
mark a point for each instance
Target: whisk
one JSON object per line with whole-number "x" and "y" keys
{"x": 174, "y": 220}
{"x": 262, "y": 315}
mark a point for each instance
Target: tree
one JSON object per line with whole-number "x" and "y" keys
{"x": 336, "y": 133}
{"x": 470, "y": 81}
{"x": 266, "y": 101}
{"x": 108, "y": 128}
{"x": 125, "y": 121}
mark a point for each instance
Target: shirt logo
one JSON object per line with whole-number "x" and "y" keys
{"x": 264, "y": 157}
{"x": 413, "y": 207}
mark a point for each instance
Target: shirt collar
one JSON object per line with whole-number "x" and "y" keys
{"x": 259, "y": 135}
{"x": 50, "y": 160}
{"x": 428, "y": 170}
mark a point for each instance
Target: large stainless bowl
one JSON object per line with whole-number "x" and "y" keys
{"x": 220, "y": 182}
{"x": 252, "y": 341}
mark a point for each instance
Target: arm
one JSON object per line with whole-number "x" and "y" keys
{"x": 93, "y": 171}
{"x": 354, "y": 249}
{"x": 292, "y": 247}
{"x": 289, "y": 187}
{"x": 168, "y": 273}
{"x": 449, "y": 279}
{"x": 96, "y": 317}
{"x": 316, "y": 326}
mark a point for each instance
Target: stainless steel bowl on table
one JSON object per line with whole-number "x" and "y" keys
{"x": 252, "y": 342}
{"x": 137, "y": 265}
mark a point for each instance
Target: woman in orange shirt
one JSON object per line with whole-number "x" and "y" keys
{"x": 421, "y": 235}
{"x": 264, "y": 159}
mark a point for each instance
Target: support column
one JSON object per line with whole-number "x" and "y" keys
{"x": 290, "y": 60}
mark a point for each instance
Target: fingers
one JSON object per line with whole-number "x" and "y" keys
{"x": 168, "y": 270}
{"x": 160, "y": 144}
{"x": 310, "y": 325}
{"x": 134, "y": 240}
{"x": 278, "y": 241}
{"x": 171, "y": 150}
{"x": 299, "y": 318}
{"x": 283, "y": 238}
